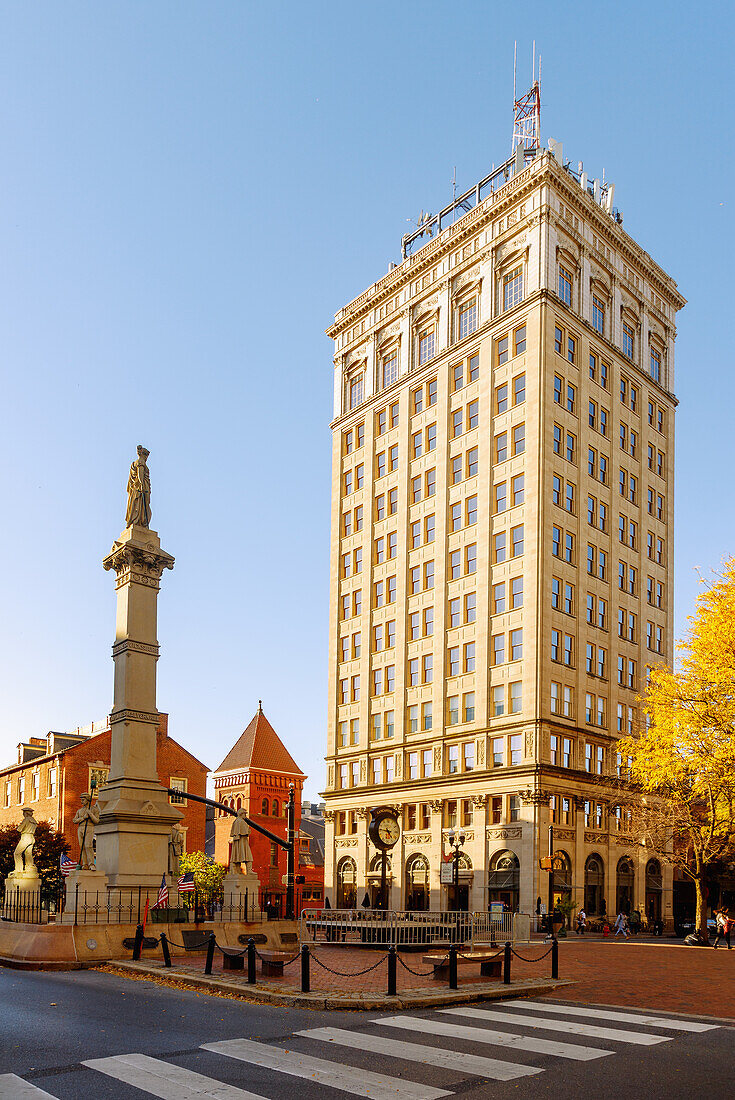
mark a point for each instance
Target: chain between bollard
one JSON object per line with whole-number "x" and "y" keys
{"x": 420, "y": 973}
{"x": 348, "y": 973}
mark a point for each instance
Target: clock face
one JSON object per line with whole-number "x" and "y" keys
{"x": 388, "y": 831}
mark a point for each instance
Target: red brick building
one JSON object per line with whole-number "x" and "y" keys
{"x": 256, "y": 776}
{"x": 54, "y": 771}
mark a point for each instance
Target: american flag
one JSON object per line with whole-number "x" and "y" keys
{"x": 186, "y": 883}
{"x": 162, "y": 901}
{"x": 66, "y": 866}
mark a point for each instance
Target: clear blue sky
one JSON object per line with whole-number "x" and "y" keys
{"x": 188, "y": 191}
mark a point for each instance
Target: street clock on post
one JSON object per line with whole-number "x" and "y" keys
{"x": 384, "y": 832}
{"x": 384, "y": 829}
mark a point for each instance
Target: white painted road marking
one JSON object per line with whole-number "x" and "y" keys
{"x": 359, "y": 1082}
{"x": 599, "y": 1012}
{"x": 15, "y": 1088}
{"x": 495, "y": 1038}
{"x": 570, "y": 1027}
{"x": 431, "y": 1056}
{"x": 165, "y": 1080}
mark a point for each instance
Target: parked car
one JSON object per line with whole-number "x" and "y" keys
{"x": 686, "y": 925}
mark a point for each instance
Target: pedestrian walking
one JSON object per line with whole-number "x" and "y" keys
{"x": 621, "y": 925}
{"x": 581, "y": 922}
{"x": 724, "y": 925}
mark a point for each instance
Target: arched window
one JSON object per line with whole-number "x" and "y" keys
{"x": 417, "y": 883}
{"x": 237, "y": 805}
{"x": 276, "y": 808}
{"x": 654, "y": 888}
{"x": 503, "y": 879}
{"x": 264, "y": 807}
{"x": 562, "y": 875}
{"x": 346, "y": 884}
{"x": 624, "y": 896}
{"x": 594, "y": 885}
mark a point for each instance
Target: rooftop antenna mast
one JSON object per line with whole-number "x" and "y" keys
{"x": 527, "y": 109}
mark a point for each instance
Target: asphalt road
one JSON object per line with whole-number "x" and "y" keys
{"x": 52, "y": 1023}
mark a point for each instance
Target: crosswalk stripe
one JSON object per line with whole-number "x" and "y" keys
{"x": 166, "y": 1080}
{"x": 601, "y": 1013}
{"x": 359, "y": 1082}
{"x": 15, "y": 1088}
{"x": 414, "y": 1052}
{"x": 570, "y": 1027}
{"x": 495, "y": 1038}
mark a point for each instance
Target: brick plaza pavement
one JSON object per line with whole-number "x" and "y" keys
{"x": 657, "y": 974}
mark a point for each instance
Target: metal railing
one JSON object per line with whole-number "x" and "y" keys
{"x": 395, "y": 928}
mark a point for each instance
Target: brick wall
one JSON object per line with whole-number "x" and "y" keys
{"x": 73, "y": 778}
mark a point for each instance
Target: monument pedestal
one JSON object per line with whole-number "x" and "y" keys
{"x": 22, "y": 895}
{"x": 87, "y": 897}
{"x": 241, "y": 895}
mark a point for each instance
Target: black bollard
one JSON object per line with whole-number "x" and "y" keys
{"x": 506, "y": 963}
{"x": 555, "y": 958}
{"x": 305, "y": 979}
{"x": 210, "y": 953}
{"x": 452, "y": 966}
{"x": 251, "y": 961}
{"x": 138, "y": 945}
{"x": 164, "y": 948}
{"x": 392, "y": 970}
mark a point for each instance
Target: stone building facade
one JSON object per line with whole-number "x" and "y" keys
{"x": 54, "y": 771}
{"x": 501, "y": 550}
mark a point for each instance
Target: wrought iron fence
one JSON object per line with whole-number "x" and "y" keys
{"x": 407, "y": 929}
{"x": 30, "y": 906}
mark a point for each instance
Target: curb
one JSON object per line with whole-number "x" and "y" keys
{"x": 421, "y": 998}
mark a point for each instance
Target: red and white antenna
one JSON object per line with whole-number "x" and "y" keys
{"x": 527, "y": 109}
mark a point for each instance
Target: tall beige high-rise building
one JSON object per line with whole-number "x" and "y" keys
{"x": 502, "y": 548}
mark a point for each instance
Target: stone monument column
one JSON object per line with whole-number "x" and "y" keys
{"x": 135, "y": 815}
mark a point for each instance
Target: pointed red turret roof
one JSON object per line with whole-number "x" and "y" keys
{"x": 260, "y": 747}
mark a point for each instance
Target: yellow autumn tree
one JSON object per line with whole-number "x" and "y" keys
{"x": 683, "y": 762}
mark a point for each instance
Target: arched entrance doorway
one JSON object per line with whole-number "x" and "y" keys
{"x": 458, "y": 897}
{"x": 374, "y": 879}
{"x": 503, "y": 880}
{"x": 624, "y": 894}
{"x": 417, "y": 883}
{"x": 561, "y": 879}
{"x": 347, "y": 884}
{"x": 594, "y": 886}
{"x": 654, "y": 889}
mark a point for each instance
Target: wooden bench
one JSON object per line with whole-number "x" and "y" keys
{"x": 490, "y": 962}
{"x": 271, "y": 962}
{"x": 233, "y": 962}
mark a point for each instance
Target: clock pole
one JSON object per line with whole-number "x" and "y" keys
{"x": 384, "y": 881}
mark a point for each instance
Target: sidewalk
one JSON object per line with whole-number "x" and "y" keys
{"x": 352, "y": 978}
{"x": 657, "y": 975}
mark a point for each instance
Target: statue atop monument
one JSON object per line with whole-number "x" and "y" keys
{"x": 86, "y": 817}
{"x": 23, "y": 854}
{"x": 139, "y": 491}
{"x": 175, "y": 849}
{"x": 240, "y": 851}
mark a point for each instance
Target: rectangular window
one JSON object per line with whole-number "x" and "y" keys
{"x": 512, "y": 288}
{"x": 469, "y": 716}
{"x": 453, "y": 710}
{"x": 519, "y": 439}
{"x": 501, "y": 447}
{"x": 519, "y": 389}
{"x": 426, "y": 345}
{"x": 471, "y": 462}
{"x": 471, "y": 557}
{"x": 598, "y": 315}
{"x": 627, "y": 340}
{"x": 473, "y": 368}
{"x": 516, "y": 697}
{"x": 516, "y": 645}
{"x": 498, "y": 701}
{"x": 516, "y": 752}
{"x": 519, "y": 337}
{"x": 467, "y": 318}
{"x": 565, "y": 285}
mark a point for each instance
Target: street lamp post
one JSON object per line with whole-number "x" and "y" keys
{"x": 456, "y": 840}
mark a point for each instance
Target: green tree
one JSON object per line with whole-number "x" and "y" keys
{"x": 208, "y": 874}
{"x": 47, "y": 850}
{"x": 683, "y": 762}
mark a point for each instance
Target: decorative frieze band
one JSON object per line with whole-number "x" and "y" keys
{"x": 135, "y": 716}
{"x": 127, "y": 645}
{"x": 504, "y": 834}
